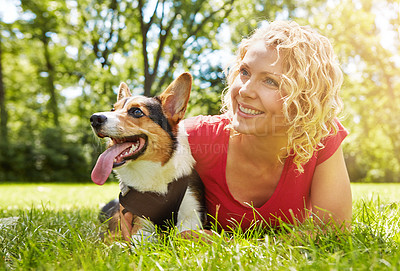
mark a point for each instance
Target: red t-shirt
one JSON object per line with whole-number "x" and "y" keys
{"x": 209, "y": 140}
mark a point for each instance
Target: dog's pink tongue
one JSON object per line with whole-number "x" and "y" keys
{"x": 104, "y": 164}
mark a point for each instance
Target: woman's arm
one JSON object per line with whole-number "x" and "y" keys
{"x": 330, "y": 191}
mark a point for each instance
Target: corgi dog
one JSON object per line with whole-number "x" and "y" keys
{"x": 150, "y": 154}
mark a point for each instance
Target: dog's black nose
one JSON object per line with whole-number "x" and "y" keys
{"x": 97, "y": 120}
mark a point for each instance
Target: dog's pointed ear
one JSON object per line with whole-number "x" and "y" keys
{"x": 175, "y": 98}
{"x": 124, "y": 91}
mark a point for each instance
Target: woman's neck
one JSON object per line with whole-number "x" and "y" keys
{"x": 261, "y": 149}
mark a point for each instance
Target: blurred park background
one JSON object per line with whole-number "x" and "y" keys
{"x": 62, "y": 60}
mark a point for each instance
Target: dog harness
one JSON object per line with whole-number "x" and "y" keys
{"x": 158, "y": 208}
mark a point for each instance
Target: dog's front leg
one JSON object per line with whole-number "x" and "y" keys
{"x": 142, "y": 231}
{"x": 135, "y": 229}
{"x": 126, "y": 222}
{"x": 190, "y": 216}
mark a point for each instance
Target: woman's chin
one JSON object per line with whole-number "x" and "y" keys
{"x": 257, "y": 127}
{"x": 241, "y": 126}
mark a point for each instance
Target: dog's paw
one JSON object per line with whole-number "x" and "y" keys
{"x": 8, "y": 221}
{"x": 143, "y": 237}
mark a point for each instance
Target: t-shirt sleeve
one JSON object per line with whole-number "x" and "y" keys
{"x": 207, "y": 139}
{"x": 331, "y": 144}
{"x": 192, "y": 124}
{"x": 197, "y": 129}
{"x": 193, "y": 127}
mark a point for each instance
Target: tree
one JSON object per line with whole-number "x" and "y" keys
{"x": 3, "y": 119}
{"x": 3, "y": 110}
{"x": 43, "y": 24}
{"x": 359, "y": 31}
{"x": 58, "y": 46}
{"x": 162, "y": 34}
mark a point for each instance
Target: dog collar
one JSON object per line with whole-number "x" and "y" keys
{"x": 158, "y": 208}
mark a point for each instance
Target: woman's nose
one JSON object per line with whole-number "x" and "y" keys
{"x": 248, "y": 89}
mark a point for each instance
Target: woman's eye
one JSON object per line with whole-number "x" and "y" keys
{"x": 271, "y": 82}
{"x": 136, "y": 112}
{"x": 243, "y": 72}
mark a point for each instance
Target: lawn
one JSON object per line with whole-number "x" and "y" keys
{"x": 55, "y": 227}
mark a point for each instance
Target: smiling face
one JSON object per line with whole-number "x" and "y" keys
{"x": 256, "y": 97}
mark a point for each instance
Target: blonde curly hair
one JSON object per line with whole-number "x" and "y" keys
{"x": 310, "y": 85}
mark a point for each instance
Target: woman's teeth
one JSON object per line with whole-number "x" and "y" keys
{"x": 249, "y": 111}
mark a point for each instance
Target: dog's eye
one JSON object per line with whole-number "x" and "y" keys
{"x": 136, "y": 112}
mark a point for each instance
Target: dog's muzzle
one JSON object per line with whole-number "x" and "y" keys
{"x": 97, "y": 120}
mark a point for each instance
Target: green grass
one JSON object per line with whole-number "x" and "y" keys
{"x": 57, "y": 229}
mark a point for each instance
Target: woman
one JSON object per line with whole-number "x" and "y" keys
{"x": 275, "y": 154}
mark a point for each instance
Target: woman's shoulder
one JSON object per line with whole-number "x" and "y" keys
{"x": 206, "y": 125}
{"x": 336, "y": 136}
{"x": 207, "y": 119}
{"x": 332, "y": 142}
{"x": 208, "y": 138}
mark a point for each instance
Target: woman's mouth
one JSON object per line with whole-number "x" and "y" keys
{"x": 249, "y": 111}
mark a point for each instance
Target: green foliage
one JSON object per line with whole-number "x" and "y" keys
{"x": 59, "y": 158}
{"x": 52, "y": 159}
{"x": 206, "y": 93}
{"x": 364, "y": 36}
{"x": 56, "y": 48}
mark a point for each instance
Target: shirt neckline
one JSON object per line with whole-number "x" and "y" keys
{"x": 276, "y": 192}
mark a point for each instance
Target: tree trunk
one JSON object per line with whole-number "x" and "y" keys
{"x": 53, "y": 105}
{"x": 4, "y": 148}
{"x": 3, "y": 110}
